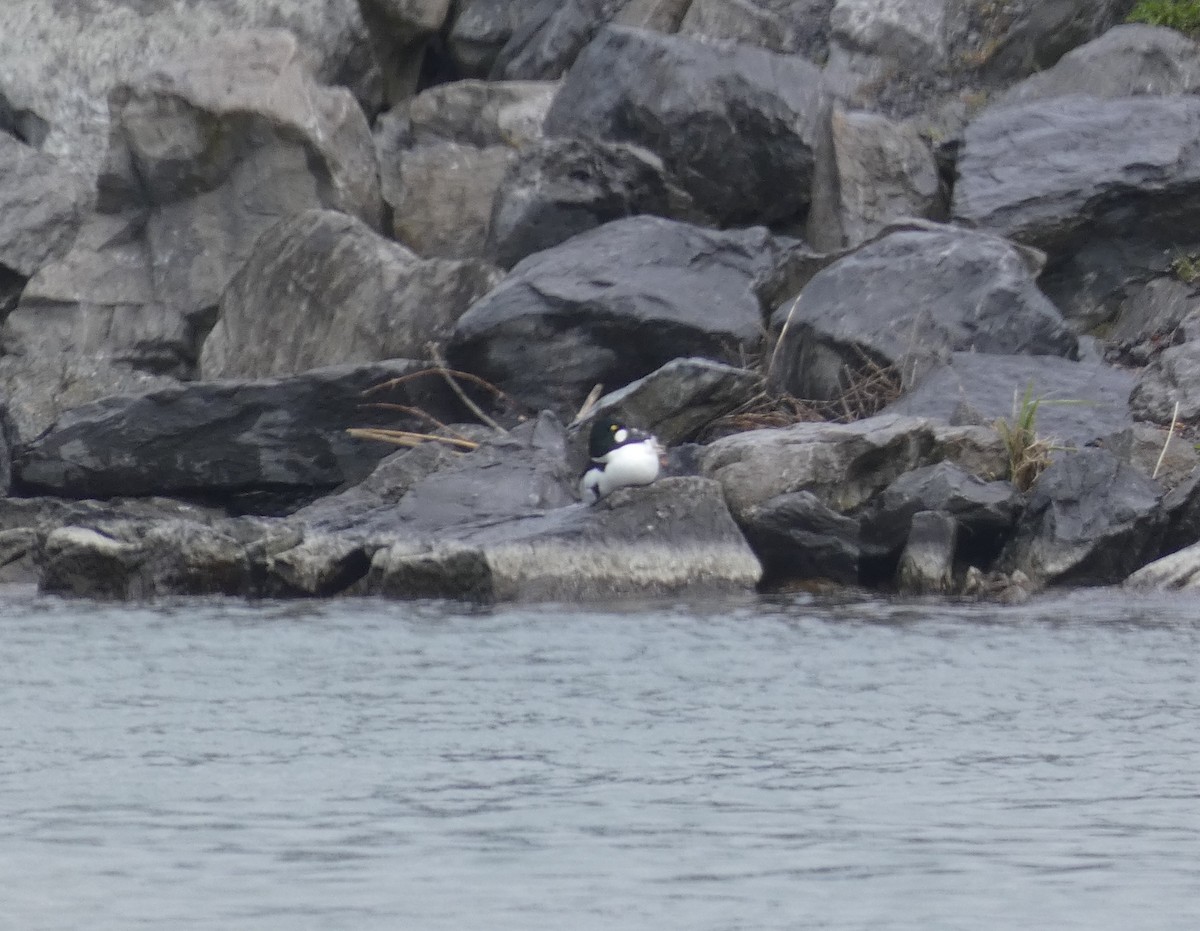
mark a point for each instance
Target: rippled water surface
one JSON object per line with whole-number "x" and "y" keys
{"x": 756, "y": 765}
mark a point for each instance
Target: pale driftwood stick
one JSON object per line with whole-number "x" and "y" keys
{"x": 408, "y": 437}
{"x": 1170, "y": 433}
{"x": 588, "y": 403}
{"x": 436, "y": 355}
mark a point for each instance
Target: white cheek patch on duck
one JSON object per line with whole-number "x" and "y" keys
{"x": 620, "y": 436}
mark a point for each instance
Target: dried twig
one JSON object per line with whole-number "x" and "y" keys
{"x": 409, "y": 438}
{"x": 415, "y": 412}
{"x": 449, "y": 374}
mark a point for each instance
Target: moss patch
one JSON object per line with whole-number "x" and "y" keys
{"x": 1183, "y": 15}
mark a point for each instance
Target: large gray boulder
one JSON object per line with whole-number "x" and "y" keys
{"x": 612, "y": 305}
{"x": 264, "y": 446}
{"x": 799, "y": 538}
{"x": 843, "y": 465}
{"x": 443, "y": 155}
{"x": 483, "y": 27}
{"x": 401, "y": 31}
{"x": 1079, "y": 402}
{"x": 909, "y": 300}
{"x": 1091, "y": 520}
{"x": 322, "y": 288}
{"x": 1173, "y": 377}
{"x": 1108, "y": 188}
{"x": 785, "y": 26}
{"x": 441, "y": 197}
{"x": 204, "y": 155}
{"x": 41, "y": 203}
{"x": 985, "y": 511}
{"x": 558, "y": 188}
{"x": 1123, "y": 62}
{"x": 735, "y": 125}
{"x": 875, "y": 172}
{"x": 678, "y": 400}
{"x": 61, "y": 60}
{"x": 924, "y": 58}
{"x": 544, "y": 45}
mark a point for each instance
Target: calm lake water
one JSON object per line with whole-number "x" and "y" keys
{"x": 748, "y": 765}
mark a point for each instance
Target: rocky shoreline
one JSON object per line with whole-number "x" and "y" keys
{"x": 309, "y": 305}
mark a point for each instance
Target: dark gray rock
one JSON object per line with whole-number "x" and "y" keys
{"x": 1181, "y": 505}
{"x": 41, "y": 201}
{"x": 927, "y": 563}
{"x": 1091, "y": 520}
{"x": 1150, "y": 319}
{"x": 545, "y": 44}
{"x": 1170, "y": 379}
{"x": 559, "y": 188}
{"x": 1125, "y": 61}
{"x": 799, "y": 538}
{"x": 1108, "y": 188}
{"x": 985, "y": 511}
{"x": 908, "y": 300}
{"x": 351, "y": 296}
{"x": 400, "y": 31}
{"x": 678, "y": 400}
{"x": 510, "y": 477}
{"x": 483, "y": 27}
{"x": 354, "y": 508}
{"x": 786, "y": 26}
{"x": 262, "y": 446}
{"x": 735, "y": 125}
{"x": 612, "y": 305}
{"x": 1081, "y": 401}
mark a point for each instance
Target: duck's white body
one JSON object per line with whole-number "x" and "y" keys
{"x": 630, "y": 464}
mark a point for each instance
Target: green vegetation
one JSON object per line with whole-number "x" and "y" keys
{"x": 1028, "y": 452}
{"x": 1186, "y": 266}
{"x": 1183, "y": 15}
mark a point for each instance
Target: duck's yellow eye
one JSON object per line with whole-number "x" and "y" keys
{"x": 613, "y": 428}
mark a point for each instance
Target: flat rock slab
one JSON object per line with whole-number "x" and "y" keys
{"x": 614, "y": 304}
{"x": 673, "y": 537}
{"x": 284, "y": 438}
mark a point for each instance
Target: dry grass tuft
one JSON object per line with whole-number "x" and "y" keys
{"x": 869, "y": 388}
{"x": 1028, "y": 451}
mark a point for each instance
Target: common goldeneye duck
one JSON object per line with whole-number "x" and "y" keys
{"x": 620, "y": 456}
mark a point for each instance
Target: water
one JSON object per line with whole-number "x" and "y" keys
{"x": 756, "y": 765}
